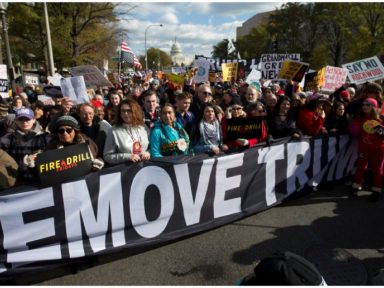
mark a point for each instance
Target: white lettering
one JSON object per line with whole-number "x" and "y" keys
{"x": 78, "y": 205}
{"x": 192, "y": 208}
{"x": 147, "y": 176}
{"x": 222, "y": 207}
{"x": 297, "y": 170}
{"x": 270, "y": 155}
{"x": 17, "y": 234}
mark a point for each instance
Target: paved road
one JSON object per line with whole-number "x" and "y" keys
{"x": 342, "y": 236}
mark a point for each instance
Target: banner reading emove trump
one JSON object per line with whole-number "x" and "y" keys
{"x": 132, "y": 205}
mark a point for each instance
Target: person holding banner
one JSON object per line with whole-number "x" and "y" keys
{"x": 283, "y": 122}
{"x": 211, "y": 134}
{"x": 127, "y": 141}
{"x": 67, "y": 132}
{"x": 368, "y": 127}
{"x": 167, "y": 136}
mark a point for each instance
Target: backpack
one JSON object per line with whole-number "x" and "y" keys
{"x": 282, "y": 269}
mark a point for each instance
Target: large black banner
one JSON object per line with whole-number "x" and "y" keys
{"x": 129, "y": 206}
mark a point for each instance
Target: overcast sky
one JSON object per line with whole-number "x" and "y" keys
{"x": 198, "y": 26}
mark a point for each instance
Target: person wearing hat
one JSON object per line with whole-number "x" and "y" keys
{"x": 370, "y": 147}
{"x": 237, "y": 111}
{"x": 67, "y": 132}
{"x": 26, "y": 140}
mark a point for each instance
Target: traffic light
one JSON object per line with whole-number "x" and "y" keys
{"x": 274, "y": 46}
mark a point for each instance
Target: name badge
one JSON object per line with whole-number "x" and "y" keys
{"x": 136, "y": 148}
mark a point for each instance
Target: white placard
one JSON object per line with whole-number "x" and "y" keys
{"x": 365, "y": 70}
{"x": 203, "y": 70}
{"x": 74, "y": 88}
{"x": 92, "y": 76}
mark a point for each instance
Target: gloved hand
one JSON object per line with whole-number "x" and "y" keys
{"x": 97, "y": 164}
{"x": 242, "y": 141}
{"x": 29, "y": 160}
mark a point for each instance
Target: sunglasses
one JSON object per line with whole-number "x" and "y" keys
{"x": 237, "y": 108}
{"x": 63, "y": 130}
{"x": 367, "y": 104}
{"x": 126, "y": 110}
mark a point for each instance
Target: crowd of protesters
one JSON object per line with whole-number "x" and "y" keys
{"x": 139, "y": 120}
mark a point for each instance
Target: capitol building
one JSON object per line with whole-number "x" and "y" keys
{"x": 178, "y": 59}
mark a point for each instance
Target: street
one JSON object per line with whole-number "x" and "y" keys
{"x": 340, "y": 235}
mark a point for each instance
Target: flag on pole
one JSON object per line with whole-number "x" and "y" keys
{"x": 127, "y": 56}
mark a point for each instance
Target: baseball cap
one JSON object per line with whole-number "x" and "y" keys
{"x": 24, "y": 113}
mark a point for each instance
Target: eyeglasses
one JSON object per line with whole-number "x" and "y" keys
{"x": 63, "y": 130}
{"x": 126, "y": 110}
{"x": 207, "y": 93}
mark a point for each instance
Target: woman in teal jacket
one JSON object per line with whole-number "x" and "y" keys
{"x": 167, "y": 136}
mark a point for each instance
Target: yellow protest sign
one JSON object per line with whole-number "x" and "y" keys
{"x": 293, "y": 70}
{"x": 229, "y": 71}
{"x": 176, "y": 80}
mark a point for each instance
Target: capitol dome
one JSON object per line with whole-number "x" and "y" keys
{"x": 176, "y": 49}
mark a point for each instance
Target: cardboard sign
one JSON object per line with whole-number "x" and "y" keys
{"x": 47, "y": 100}
{"x": 230, "y": 71}
{"x": 178, "y": 70}
{"x": 74, "y": 88}
{"x": 30, "y": 79}
{"x": 270, "y": 64}
{"x": 92, "y": 76}
{"x": 113, "y": 78}
{"x": 365, "y": 70}
{"x": 247, "y": 128}
{"x": 4, "y": 83}
{"x": 314, "y": 80}
{"x": 202, "y": 72}
{"x": 293, "y": 70}
{"x": 176, "y": 80}
{"x": 59, "y": 165}
{"x": 334, "y": 78}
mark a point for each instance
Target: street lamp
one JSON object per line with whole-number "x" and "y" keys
{"x": 145, "y": 43}
{"x": 11, "y": 69}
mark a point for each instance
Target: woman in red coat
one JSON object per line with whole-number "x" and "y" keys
{"x": 367, "y": 126}
{"x": 311, "y": 118}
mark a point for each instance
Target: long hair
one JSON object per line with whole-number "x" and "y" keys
{"x": 137, "y": 112}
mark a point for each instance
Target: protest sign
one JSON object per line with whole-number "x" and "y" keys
{"x": 253, "y": 78}
{"x": 47, "y": 100}
{"x": 55, "y": 79}
{"x": 4, "y": 84}
{"x": 30, "y": 79}
{"x": 92, "y": 76}
{"x": 113, "y": 78}
{"x": 73, "y": 161}
{"x": 365, "y": 70}
{"x": 178, "y": 70}
{"x": 314, "y": 80}
{"x": 176, "y": 80}
{"x": 215, "y": 64}
{"x": 229, "y": 71}
{"x": 248, "y": 128}
{"x": 293, "y": 70}
{"x": 74, "y": 88}
{"x": 202, "y": 72}
{"x": 334, "y": 78}
{"x": 270, "y": 64}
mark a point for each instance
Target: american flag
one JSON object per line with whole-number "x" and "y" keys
{"x": 128, "y": 56}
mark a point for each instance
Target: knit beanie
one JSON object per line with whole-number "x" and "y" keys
{"x": 67, "y": 121}
{"x": 371, "y": 101}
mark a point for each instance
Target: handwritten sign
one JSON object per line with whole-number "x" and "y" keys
{"x": 365, "y": 70}
{"x": 229, "y": 71}
{"x": 92, "y": 76}
{"x": 293, "y": 70}
{"x": 270, "y": 64}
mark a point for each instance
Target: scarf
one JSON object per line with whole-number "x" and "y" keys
{"x": 210, "y": 132}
